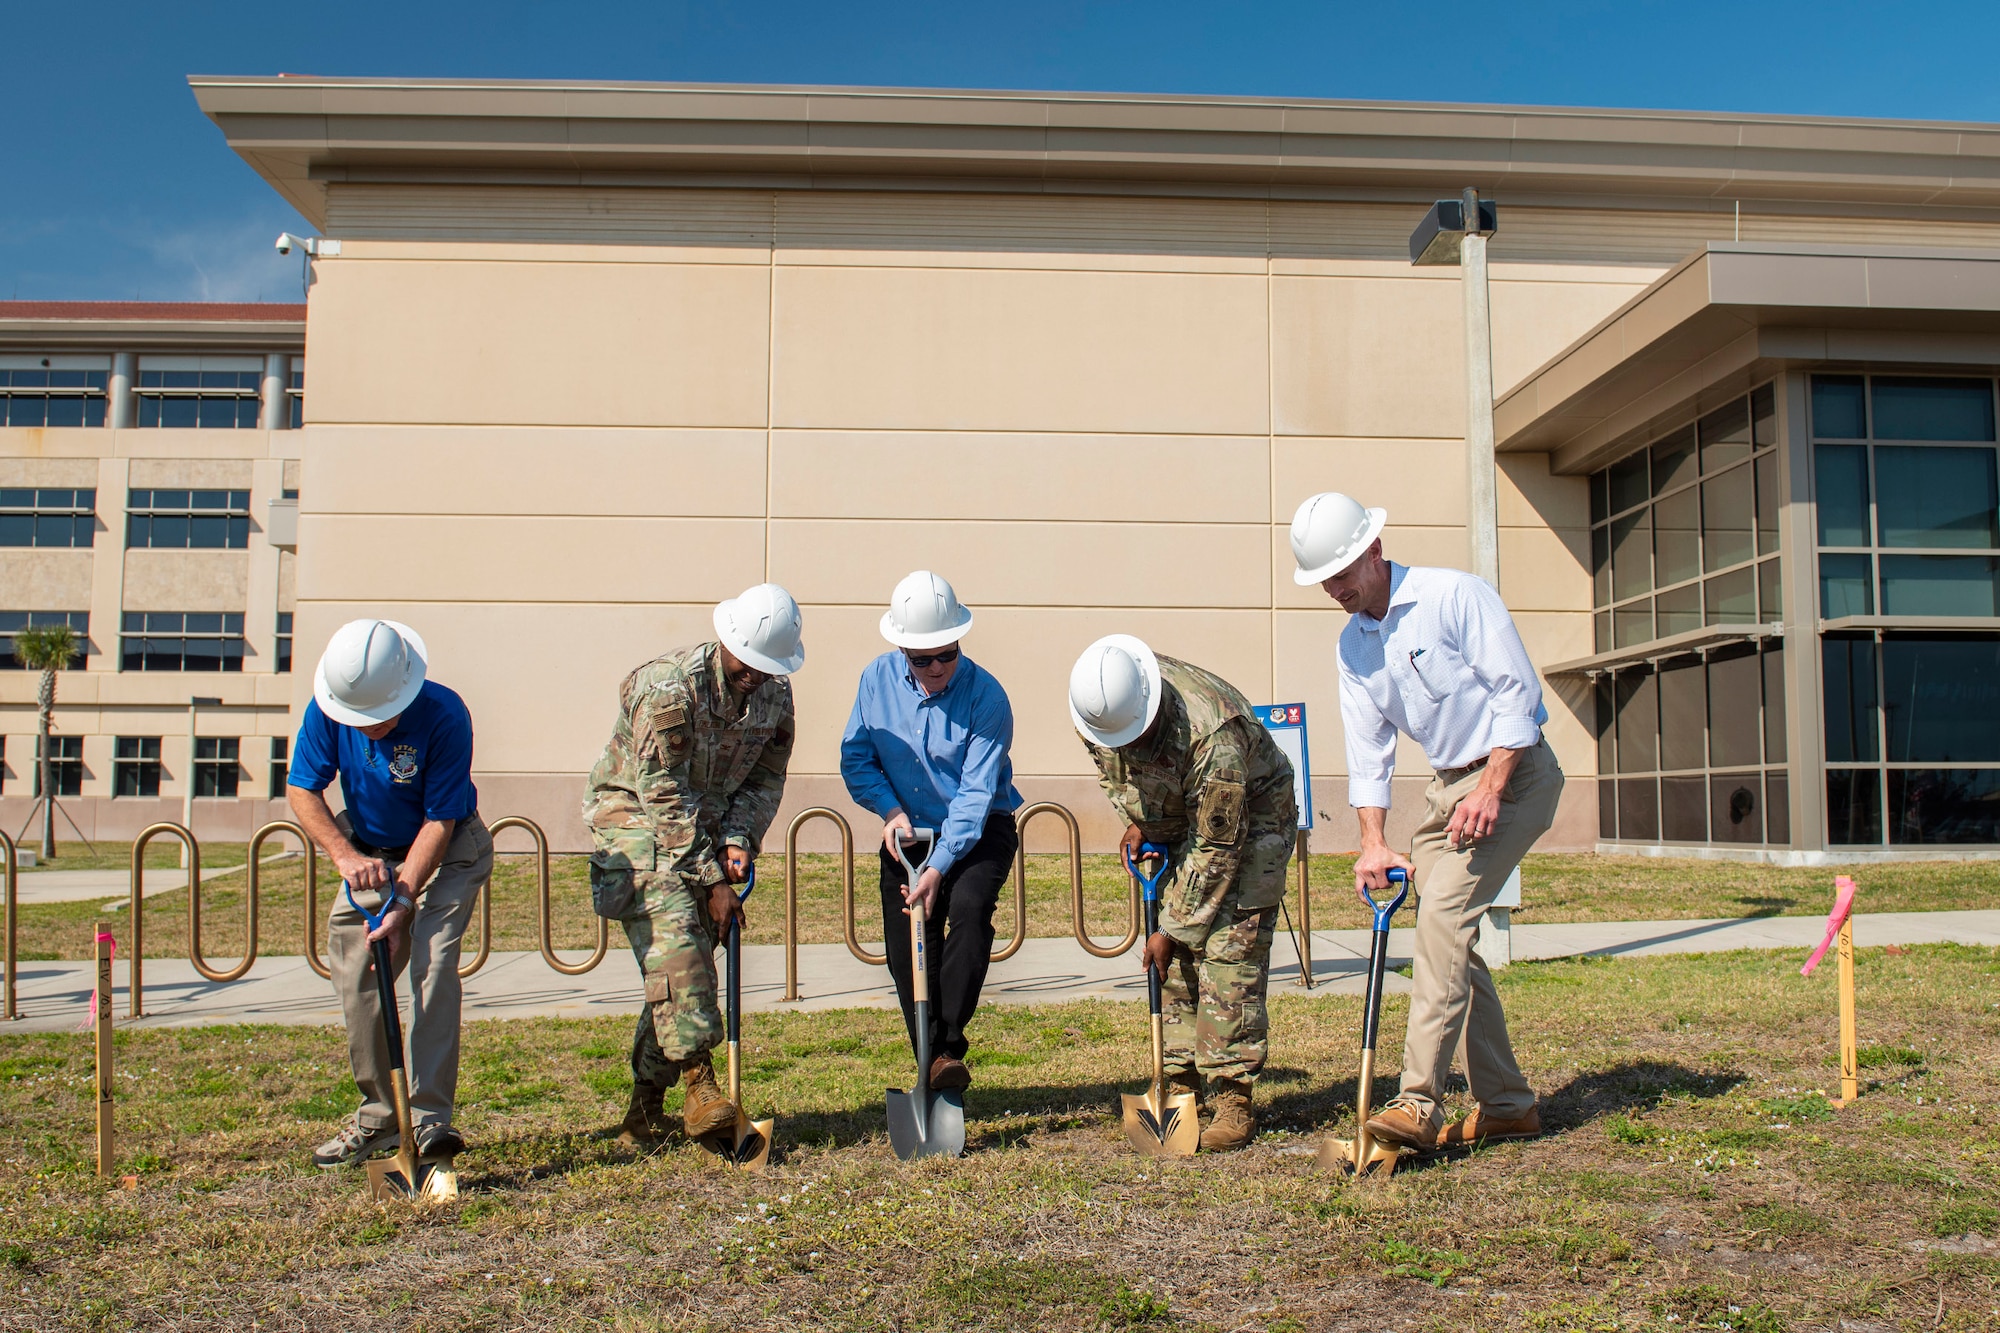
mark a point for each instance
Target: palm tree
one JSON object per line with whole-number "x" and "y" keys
{"x": 47, "y": 649}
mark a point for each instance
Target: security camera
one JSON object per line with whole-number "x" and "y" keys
{"x": 316, "y": 246}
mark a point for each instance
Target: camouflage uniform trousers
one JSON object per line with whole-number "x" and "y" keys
{"x": 674, "y": 941}
{"x": 1213, "y": 999}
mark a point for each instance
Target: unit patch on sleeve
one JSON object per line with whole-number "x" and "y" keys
{"x": 1220, "y": 817}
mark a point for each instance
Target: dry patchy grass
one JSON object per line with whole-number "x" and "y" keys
{"x": 1694, "y": 1178}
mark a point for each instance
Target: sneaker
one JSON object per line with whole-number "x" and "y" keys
{"x": 354, "y": 1144}
{"x": 948, "y": 1072}
{"x": 438, "y": 1142}
{"x": 1480, "y": 1127}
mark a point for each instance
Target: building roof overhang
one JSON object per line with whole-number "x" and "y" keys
{"x": 303, "y": 133}
{"x": 135, "y": 325}
{"x": 1735, "y": 313}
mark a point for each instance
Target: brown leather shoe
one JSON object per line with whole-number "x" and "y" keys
{"x": 706, "y": 1110}
{"x": 1399, "y": 1123}
{"x": 1235, "y": 1123}
{"x": 948, "y": 1072}
{"x": 1480, "y": 1127}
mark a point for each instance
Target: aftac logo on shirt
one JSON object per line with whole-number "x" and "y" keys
{"x": 403, "y": 763}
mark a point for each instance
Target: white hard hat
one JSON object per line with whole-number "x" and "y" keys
{"x": 370, "y": 672}
{"x": 763, "y": 628}
{"x": 1329, "y": 533}
{"x": 924, "y": 613}
{"x": 1114, "y": 690}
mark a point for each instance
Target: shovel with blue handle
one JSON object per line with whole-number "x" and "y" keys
{"x": 746, "y": 1146}
{"x": 1158, "y": 1123}
{"x": 402, "y": 1176}
{"x": 1361, "y": 1155}
{"x": 923, "y": 1123}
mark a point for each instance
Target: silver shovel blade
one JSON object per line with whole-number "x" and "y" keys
{"x": 939, "y": 1133}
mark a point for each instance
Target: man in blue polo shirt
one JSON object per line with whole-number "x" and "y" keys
{"x": 410, "y": 837}
{"x": 928, "y": 744}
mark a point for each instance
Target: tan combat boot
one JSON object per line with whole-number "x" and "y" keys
{"x": 645, "y": 1121}
{"x": 1235, "y": 1124}
{"x": 706, "y": 1110}
{"x": 1186, "y": 1080}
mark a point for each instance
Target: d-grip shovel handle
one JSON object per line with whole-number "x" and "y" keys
{"x": 1395, "y": 875}
{"x": 385, "y": 977}
{"x": 1378, "y": 953}
{"x": 921, "y": 971}
{"x": 1149, "y": 890}
{"x": 735, "y": 950}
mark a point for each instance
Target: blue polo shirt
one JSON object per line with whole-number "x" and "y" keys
{"x": 420, "y": 771}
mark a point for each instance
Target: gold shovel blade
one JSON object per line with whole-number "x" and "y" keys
{"x": 1168, "y": 1127}
{"x": 748, "y": 1146}
{"x": 1379, "y": 1159}
{"x": 389, "y": 1181}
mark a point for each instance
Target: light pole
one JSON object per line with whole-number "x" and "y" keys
{"x": 187, "y": 783}
{"x": 1455, "y": 232}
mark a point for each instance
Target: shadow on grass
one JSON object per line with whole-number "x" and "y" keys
{"x": 1767, "y": 906}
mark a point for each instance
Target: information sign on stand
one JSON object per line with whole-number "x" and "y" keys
{"x": 1287, "y": 725}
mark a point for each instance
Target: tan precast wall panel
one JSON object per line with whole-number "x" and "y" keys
{"x": 37, "y": 579}
{"x": 229, "y": 474}
{"x": 594, "y": 560}
{"x": 1534, "y": 321}
{"x": 1027, "y": 564}
{"x": 1420, "y": 482}
{"x": 551, "y": 707}
{"x": 181, "y": 446}
{"x": 1531, "y": 496}
{"x": 708, "y": 220}
{"x": 183, "y": 581}
{"x": 54, "y": 473}
{"x": 288, "y": 583}
{"x": 995, "y": 475}
{"x": 1030, "y": 651}
{"x": 1367, "y": 356}
{"x": 539, "y": 344}
{"x": 1545, "y": 569}
{"x": 536, "y": 470}
{"x": 293, "y": 467}
{"x": 947, "y": 349}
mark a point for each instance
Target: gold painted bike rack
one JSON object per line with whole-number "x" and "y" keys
{"x": 792, "y": 894}
{"x": 545, "y": 902}
{"x": 1077, "y": 925}
{"x": 13, "y": 874}
{"x": 135, "y": 963}
{"x": 253, "y": 871}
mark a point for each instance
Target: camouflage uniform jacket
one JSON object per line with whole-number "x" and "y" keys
{"x": 1209, "y": 782}
{"x": 691, "y": 768}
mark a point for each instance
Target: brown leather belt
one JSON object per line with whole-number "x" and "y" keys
{"x": 1450, "y": 775}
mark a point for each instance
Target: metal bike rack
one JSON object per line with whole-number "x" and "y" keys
{"x": 13, "y": 874}
{"x": 255, "y": 870}
{"x": 136, "y": 963}
{"x": 545, "y": 938}
{"x": 484, "y": 893}
{"x": 792, "y": 894}
{"x": 1077, "y": 928}
{"x": 194, "y": 929}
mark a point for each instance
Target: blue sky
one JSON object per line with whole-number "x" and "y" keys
{"x": 113, "y": 186}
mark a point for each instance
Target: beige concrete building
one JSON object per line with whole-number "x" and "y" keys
{"x": 592, "y": 356}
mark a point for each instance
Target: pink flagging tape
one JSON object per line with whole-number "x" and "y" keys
{"x": 90, "y": 1013}
{"x": 1843, "y": 907}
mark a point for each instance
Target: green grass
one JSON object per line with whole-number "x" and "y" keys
{"x": 1555, "y": 887}
{"x": 1667, "y": 1186}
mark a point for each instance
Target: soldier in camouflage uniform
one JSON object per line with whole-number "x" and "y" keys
{"x": 678, "y": 806}
{"x": 1186, "y": 763}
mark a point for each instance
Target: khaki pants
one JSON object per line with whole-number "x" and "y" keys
{"x": 428, "y": 952}
{"x": 1453, "y": 1007}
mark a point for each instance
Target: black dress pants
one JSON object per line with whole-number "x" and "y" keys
{"x": 958, "y": 933}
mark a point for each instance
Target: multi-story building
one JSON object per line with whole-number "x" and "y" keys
{"x": 588, "y": 357}
{"x": 149, "y": 486}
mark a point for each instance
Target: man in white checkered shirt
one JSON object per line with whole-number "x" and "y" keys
{"x": 1432, "y": 653}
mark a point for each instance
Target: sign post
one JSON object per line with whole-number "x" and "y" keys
{"x": 1287, "y": 725}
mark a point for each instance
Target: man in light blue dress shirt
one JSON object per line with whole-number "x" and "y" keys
{"x": 926, "y": 747}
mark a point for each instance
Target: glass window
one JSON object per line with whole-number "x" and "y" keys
{"x": 1638, "y": 722}
{"x": 1764, "y": 415}
{"x": 1639, "y": 809}
{"x": 1600, "y": 496}
{"x": 1943, "y": 805}
{"x": 1683, "y": 714}
{"x": 1674, "y": 460}
{"x": 281, "y": 749}
{"x": 1936, "y": 497}
{"x": 1941, "y": 698}
{"x": 1848, "y": 669}
{"x": 136, "y": 766}
{"x": 65, "y": 765}
{"x": 1940, "y": 585}
{"x": 1853, "y": 805}
{"x": 1678, "y": 611}
{"x": 13, "y": 621}
{"x": 1600, "y": 631}
{"x": 1684, "y": 809}
{"x": 1838, "y": 409}
{"x": 1605, "y": 716}
{"x": 181, "y": 641}
{"x": 1607, "y": 809}
{"x": 1778, "y": 808}
{"x": 1725, "y": 436}
{"x": 1732, "y": 598}
{"x": 1735, "y": 725}
{"x": 1841, "y": 471}
{"x": 284, "y": 653}
{"x": 1774, "y": 703}
{"x": 215, "y": 765}
{"x": 1933, "y": 409}
{"x": 1846, "y": 586}
{"x": 1770, "y": 592}
{"x": 45, "y": 517}
{"x": 1734, "y": 810}
{"x": 1600, "y": 566}
{"x": 180, "y": 520}
{"x": 1628, "y": 482}
{"x": 1634, "y": 624}
{"x": 1632, "y": 554}
{"x": 1728, "y": 504}
{"x": 1767, "y": 504}
{"x": 1677, "y": 537}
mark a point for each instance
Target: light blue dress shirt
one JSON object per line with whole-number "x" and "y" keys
{"x": 940, "y": 758}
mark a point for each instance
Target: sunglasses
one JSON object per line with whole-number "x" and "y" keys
{"x": 948, "y": 655}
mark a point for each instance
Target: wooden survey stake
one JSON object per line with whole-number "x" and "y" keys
{"x": 1850, "y": 1061}
{"x": 106, "y": 1150}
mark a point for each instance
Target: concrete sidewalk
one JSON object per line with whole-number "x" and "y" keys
{"x": 114, "y": 887}
{"x": 55, "y": 995}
